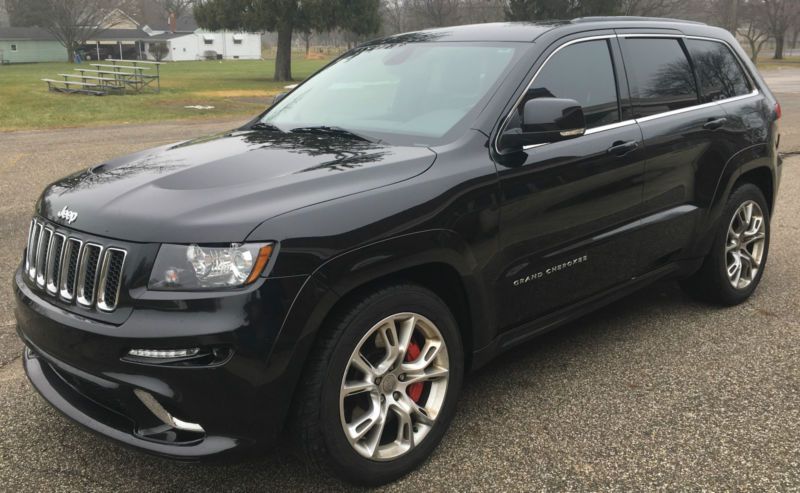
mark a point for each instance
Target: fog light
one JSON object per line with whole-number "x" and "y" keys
{"x": 158, "y": 410}
{"x": 164, "y": 353}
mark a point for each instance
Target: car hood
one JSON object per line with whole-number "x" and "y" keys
{"x": 218, "y": 189}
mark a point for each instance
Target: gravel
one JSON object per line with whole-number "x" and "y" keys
{"x": 654, "y": 392}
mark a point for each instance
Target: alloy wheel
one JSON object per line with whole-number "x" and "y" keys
{"x": 394, "y": 386}
{"x": 744, "y": 248}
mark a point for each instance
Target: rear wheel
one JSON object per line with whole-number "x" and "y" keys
{"x": 381, "y": 386}
{"x": 733, "y": 268}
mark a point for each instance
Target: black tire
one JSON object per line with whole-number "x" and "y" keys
{"x": 316, "y": 426}
{"x": 711, "y": 283}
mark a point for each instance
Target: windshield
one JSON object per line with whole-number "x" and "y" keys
{"x": 415, "y": 93}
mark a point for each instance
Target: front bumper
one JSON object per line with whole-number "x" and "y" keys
{"x": 77, "y": 365}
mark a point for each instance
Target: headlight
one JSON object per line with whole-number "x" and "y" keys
{"x": 195, "y": 267}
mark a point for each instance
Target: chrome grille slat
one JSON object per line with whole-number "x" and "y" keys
{"x": 69, "y": 269}
{"x": 54, "y": 259}
{"x": 88, "y": 270}
{"x": 63, "y": 265}
{"x": 41, "y": 255}
{"x": 34, "y": 249}
{"x": 110, "y": 278}
{"x": 29, "y": 250}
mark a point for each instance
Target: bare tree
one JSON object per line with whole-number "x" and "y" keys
{"x": 754, "y": 27}
{"x": 781, "y": 14}
{"x": 435, "y": 13}
{"x": 159, "y": 50}
{"x": 177, "y": 7}
{"x": 653, "y": 8}
{"x": 71, "y": 22}
{"x": 395, "y": 15}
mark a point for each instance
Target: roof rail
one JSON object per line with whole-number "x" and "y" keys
{"x": 633, "y": 18}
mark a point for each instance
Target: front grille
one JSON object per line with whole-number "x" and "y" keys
{"x": 66, "y": 267}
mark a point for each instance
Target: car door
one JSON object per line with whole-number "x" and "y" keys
{"x": 568, "y": 207}
{"x": 683, "y": 141}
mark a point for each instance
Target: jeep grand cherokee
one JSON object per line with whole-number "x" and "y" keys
{"x": 331, "y": 271}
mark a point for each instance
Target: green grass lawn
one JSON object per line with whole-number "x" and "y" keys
{"x": 234, "y": 88}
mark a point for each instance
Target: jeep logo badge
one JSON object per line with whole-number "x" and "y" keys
{"x": 67, "y": 215}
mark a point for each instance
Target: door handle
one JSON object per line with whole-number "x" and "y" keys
{"x": 621, "y": 148}
{"x": 715, "y": 124}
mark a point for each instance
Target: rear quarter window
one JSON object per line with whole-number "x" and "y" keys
{"x": 718, "y": 70}
{"x": 659, "y": 74}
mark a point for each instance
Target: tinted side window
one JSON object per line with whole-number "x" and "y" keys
{"x": 583, "y": 72}
{"x": 718, "y": 72}
{"x": 659, "y": 74}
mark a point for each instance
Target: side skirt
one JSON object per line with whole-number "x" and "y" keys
{"x": 540, "y": 326}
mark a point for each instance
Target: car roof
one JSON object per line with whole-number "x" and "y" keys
{"x": 530, "y": 31}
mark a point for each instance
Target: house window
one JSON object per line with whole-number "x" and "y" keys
{"x": 237, "y": 41}
{"x": 208, "y": 41}
{"x": 13, "y": 47}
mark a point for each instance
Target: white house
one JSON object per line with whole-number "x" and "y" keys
{"x": 126, "y": 38}
{"x": 205, "y": 45}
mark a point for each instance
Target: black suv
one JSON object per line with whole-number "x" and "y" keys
{"x": 331, "y": 271}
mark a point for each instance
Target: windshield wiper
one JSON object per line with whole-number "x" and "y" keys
{"x": 265, "y": 126}
{"x": 326, "y": 130}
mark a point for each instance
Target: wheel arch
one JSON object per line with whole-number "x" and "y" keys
{"x": 752, "y": 165}
{"x": 439, "y": 260}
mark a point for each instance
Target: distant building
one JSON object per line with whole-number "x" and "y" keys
{"x": 29, "y": 45}
{"x": 205, "y": 45}
{"x": 126, "y": 38}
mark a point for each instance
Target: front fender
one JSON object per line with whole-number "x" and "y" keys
{"x": 344, "y": 273}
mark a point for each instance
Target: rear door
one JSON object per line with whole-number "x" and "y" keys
{"x": 683, "y": 140}
{"x": 568, "y": 207}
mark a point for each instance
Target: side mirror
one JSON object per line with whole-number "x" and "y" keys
{"x": 546, "y": 120}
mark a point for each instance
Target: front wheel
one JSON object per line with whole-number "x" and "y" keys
{"x": 381, "y": 386}
{"x": 734, "y": 267}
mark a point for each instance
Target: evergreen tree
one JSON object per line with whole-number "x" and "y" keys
{"x": 287, "y": 16}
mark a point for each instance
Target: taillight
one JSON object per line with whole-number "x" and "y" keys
{"x": 778, "y": 111}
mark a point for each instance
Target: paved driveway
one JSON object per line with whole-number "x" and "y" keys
{"x": 653, "y": 392}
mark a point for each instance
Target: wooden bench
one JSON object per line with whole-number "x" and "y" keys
{"x": 110, "y": 84}
{"x": 83, "y": 87}
{"x": 126, "y": 67}
{"x": 148, "y": 62}
{"x": 104, "y": 72}
{"x": 89, "y": 77}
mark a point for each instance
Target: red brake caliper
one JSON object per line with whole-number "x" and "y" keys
{"x": 415, "y": 389}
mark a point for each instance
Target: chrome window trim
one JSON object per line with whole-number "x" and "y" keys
{"x": 695, "y": 107}
{"x": 610, "y": 126}
{"x": 645, "y": 119}
{"x": 82, "y": 268}
{"x": 64, "y": 291}
{"x": 51, "y": 277}
{"x": 102, "y": 303}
